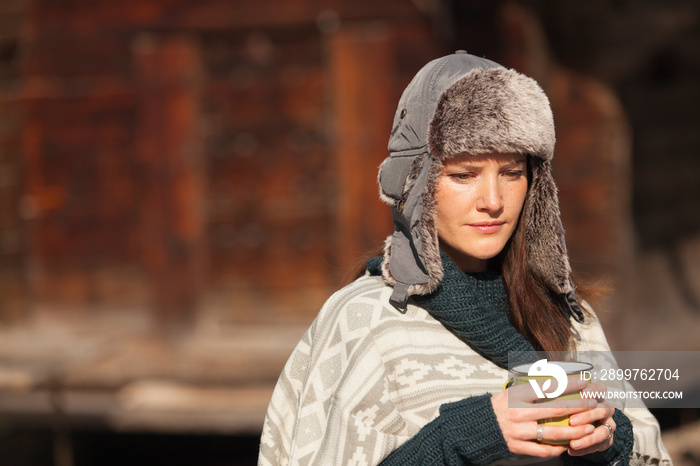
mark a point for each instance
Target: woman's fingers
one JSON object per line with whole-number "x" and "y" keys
{"x": 595, "y": 391}
{"x": 556, "y": 433}
{"x": 526, "y": 394}
{"x": 529, "y": 431}
{"x": 584, "y": 410}
{"x": 601, "y": 439}
{"x": 601, "y": 411}
{"x": 551, "y": 409}
{"x": 520, "y": 427}
{"x": 523, "y": 443}
{"x": 528, "y": 447}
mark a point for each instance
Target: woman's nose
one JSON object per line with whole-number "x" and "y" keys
{"x": 490, "y": 197}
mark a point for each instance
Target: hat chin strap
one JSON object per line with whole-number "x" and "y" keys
{"x": 406, "y": 263}
{"x": 569, "y": 300}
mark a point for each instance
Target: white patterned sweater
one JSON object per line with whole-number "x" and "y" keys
{"x": 365, "y": 378}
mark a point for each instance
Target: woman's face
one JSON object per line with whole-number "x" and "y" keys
{"x": 479, "y": 199}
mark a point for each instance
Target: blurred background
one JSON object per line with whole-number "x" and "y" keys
{"x": 183, "y": 183}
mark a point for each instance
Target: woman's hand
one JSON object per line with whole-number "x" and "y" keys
{"x": 518, "y": 420}
{"x": 601, "y": 419}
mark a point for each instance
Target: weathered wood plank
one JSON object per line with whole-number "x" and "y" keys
{"x": 362, "y": 72}
{"x": 170, "y": 152}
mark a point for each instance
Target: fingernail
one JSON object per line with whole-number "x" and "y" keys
{"x": 573, "y": 421}
{"x": 573, "y": 444}
{"x": 589, "y": 429}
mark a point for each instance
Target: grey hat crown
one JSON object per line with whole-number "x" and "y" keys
{"x": 409, "y": 134}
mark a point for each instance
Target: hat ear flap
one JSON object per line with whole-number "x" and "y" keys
{"x": 544, "y": 232}
{"x": 412, "y": 261}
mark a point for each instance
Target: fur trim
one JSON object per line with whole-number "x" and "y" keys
{"x": 382, "y": 196}
{"x": 427, "y": 232}
{"x": 496, "y": 110}
{"x": 544, "y": 233}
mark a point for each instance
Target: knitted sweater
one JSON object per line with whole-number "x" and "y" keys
{"x": 366, "y": 381}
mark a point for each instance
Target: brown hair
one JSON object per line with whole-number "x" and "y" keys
{"x": 536, "y": 311}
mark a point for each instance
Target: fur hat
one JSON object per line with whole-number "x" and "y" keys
{"x": 456, "y": 104}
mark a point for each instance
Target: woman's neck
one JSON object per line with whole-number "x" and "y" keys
{"x": 465, "y": 263}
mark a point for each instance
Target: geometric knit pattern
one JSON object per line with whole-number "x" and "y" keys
{"x": 365, "y": 378}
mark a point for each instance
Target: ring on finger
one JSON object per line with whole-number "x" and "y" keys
{"x": 610, "y": 431}
{"x": 540, "y": 432}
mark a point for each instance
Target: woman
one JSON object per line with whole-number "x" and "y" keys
{"x": 406, "y": 365}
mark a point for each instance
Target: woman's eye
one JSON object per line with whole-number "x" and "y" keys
{"x": 514, "y": 174}
{"x": 461, "y": 176}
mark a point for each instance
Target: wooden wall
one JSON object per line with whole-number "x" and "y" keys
{"x": 13, "y": 292}
{"x": 212, "y": 157}
{"x": 180, "y": 159}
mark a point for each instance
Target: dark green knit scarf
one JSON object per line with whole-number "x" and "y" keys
{"x": 475, "y": 308}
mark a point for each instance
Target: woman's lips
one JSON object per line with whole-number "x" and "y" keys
{"x": 487, "y": 227}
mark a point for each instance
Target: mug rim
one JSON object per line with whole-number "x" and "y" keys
{"x": 570, "y": 367}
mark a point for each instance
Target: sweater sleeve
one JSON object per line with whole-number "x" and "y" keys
{"x": 465, "y": 432}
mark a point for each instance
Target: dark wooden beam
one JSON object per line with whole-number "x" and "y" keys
{"x": 362, "y": 74}
{"x": 169, "y": 149}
